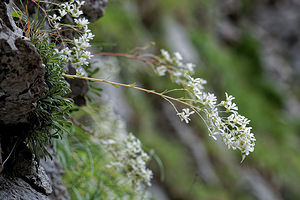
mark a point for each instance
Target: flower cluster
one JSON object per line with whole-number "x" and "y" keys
{"x": 127, "y": 155}
{"x": 174, "y": 65}
{"x": 77, "y": 55}
{"x": 131, "y": 159}
{"x": 222, "y": 119}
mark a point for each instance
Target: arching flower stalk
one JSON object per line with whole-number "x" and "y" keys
{"x": 221, "y": 117}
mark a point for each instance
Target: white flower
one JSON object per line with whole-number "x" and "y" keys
{"x": 211, "y": 134}
{"x": 165, "y": 55}
{"x": 177, "y": 73}
{"x": 228, "y": 104}
{"x": 55, "y": 18}
{"x": 86, "y": 54}
{"x": 81, "y": 44}
{"x": 229, "y": 97}
{"x": 207, "y": 99}
{"x": 56, "y": 25}
{"x": 176, "y": 60}
{"x": 231, "y": 107}
{"x": 79, "y": 3}
{"x": 179, "y": 64}
{"x": 81, "y": 22}
{"x": 228, "y": 140}
{"x": 190, "y": 67}
{"x": 185, "y": 115}
{"x": 134, "y": 159}
{"x": 75, "y": 12}
{"x": 78, "y": 55}
{"x": 196, "y": 83}
{"x": 69, "y": 8}
{"x": 161, "y": 70}
{"x": 66, "y": 51}
{"x": 177, "y": 56}
{"x": 108, "y": 142}
{"x": 62, "y": 12}
{"x": 63, "y": 5}
{"x": 87, "y": 36}
{"x": 86, "y": 29}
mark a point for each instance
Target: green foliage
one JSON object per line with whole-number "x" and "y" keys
{"x": 53, "y": 108}
{"x": 85, "y": 162}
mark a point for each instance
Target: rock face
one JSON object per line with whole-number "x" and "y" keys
{"x": 94, "y": 9}
{"x": 54, "y": 171}
{"x": 79, "y": 87}
{"x": 22, "y": 83}
{"x": 21, "y": 75}
{"x": 17, "y": 188}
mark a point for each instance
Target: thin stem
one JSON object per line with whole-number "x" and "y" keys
{"x": 130, "y": 86}
{"x": 58, "y": 31}
{"x": 9, "y": 154}
{"x": 142, "y": 48}
{"x": 79, "y": 125}
{"x": 28, "y": 23}
{"x": 49, "y": 2}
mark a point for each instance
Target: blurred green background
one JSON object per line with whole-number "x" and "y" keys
{"x": 236, "y": 50}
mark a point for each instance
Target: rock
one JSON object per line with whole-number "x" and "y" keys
{"x": 94, "y": 9}
{"x": 17, "y": 189}
{"x": 55, "y": 171}
{"x": 79, "y": 87}
{"x": 21, "y": 72}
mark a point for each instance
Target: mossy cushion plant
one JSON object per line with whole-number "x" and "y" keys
{"x": 53, "y": 109}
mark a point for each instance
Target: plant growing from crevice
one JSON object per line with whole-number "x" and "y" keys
{"x": 221, "y": 118}
{"x": 53, "y": 109}
{"x": 51, "y": 117}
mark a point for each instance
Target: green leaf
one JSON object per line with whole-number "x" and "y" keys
{"x": 16, "y": 14}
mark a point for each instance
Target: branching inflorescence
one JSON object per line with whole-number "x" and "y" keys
{"x": 130, "y": 157}
{"x": 77, "y": 54}
{"x": 221, "y": 117}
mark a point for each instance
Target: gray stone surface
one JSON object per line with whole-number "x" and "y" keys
{"x": 79, "y": 87}
{"x": 17, "y": 189}
{"x": 21, "y": 73}
{"x": 55, "y": 171}
{"x": 94, "y": 9}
